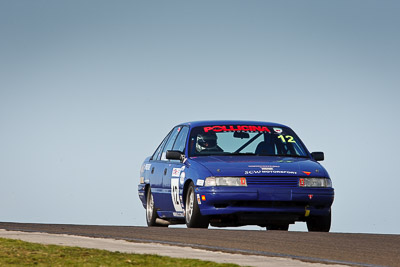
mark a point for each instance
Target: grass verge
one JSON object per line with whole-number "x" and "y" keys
{"x": 20, "y": 253}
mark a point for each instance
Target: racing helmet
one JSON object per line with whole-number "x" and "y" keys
{"x": 206, "y": 141}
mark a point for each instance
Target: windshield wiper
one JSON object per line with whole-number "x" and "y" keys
{"x": 241, "y": 154}
{"x": 293, "y": 156}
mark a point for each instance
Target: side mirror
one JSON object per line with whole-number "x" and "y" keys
{"x": 174, "y": 154}
{"x": 318, "y": 156}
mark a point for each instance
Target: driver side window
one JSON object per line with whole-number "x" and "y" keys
{"x": 180, "y": 142}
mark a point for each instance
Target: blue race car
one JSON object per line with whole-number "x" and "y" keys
{"x": 235, "y": 173}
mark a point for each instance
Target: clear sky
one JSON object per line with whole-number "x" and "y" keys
{"x": 88, "y": 89}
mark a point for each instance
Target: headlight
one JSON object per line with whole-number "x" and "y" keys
{"x": 225, "y": 181}
{"x": 315, "y": 182}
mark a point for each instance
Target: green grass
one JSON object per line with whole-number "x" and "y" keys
{"x": 20, "y": 253}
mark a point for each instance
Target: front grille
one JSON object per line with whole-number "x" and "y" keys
{"x": 273, "y": 181}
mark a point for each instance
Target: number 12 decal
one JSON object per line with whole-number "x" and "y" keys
{"x": 175, "y": 194}
{"x": 289, "y": 138}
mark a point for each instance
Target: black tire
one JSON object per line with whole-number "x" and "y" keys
{"x": 193, "y": 217}
{"x": 280, "y": 227}
{"x": 319, "y": 223}
{"x": 151, "y": 213}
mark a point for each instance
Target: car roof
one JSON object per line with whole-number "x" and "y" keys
{"x": 231, "y": 122}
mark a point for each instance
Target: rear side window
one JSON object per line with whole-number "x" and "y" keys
{"x": 157, "y": 153}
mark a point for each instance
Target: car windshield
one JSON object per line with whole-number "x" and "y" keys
{"x": 244, "y": 140}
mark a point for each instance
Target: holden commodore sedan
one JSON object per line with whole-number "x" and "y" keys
{"x": 235, "y": 173}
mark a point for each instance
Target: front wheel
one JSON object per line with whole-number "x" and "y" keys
{"x": 193, "y": 217}
{"x": 319, "y": 223}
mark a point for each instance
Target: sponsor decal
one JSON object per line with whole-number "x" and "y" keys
{"x": 264, "y": 167}
{"x": 277, "y": 130}
{"x": 267, "y": 169}
{"x": 176, "y": 172}
{"x": 235, "y": 128}
{"x": 200, "y": 182}
{"x": 308, "y": 173}
{"x": 310, "y": 196}
{"x": 182, "y": 178}
{"x": 198, "y": 199}
{"x": 147, "y": 167}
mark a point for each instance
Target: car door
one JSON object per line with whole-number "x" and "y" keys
{"x": 160, "y": 170}
{"x": 171, "y": 179}
{"x": 155, "y": 173}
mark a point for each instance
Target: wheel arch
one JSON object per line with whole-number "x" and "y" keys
{"x": 185, "y": 189}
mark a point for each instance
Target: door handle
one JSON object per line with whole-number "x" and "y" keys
{"x": 165, "y": 171}
{"x": 152, "y": 170}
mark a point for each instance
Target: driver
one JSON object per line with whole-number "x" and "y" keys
{"x": 207, "y": 142}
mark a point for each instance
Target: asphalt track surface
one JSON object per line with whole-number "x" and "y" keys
{"x": 341, "y": 248}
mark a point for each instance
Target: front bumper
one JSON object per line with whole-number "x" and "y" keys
{"x": 302, "y": 202}
{"x": 141, "y": 193}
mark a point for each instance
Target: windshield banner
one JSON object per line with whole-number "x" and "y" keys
{"x": 234, "y": 128}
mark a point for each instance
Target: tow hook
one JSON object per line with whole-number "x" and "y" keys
{"x": 307, "y": 211}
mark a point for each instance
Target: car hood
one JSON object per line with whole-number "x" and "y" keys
{"x": 261, "y": 166}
